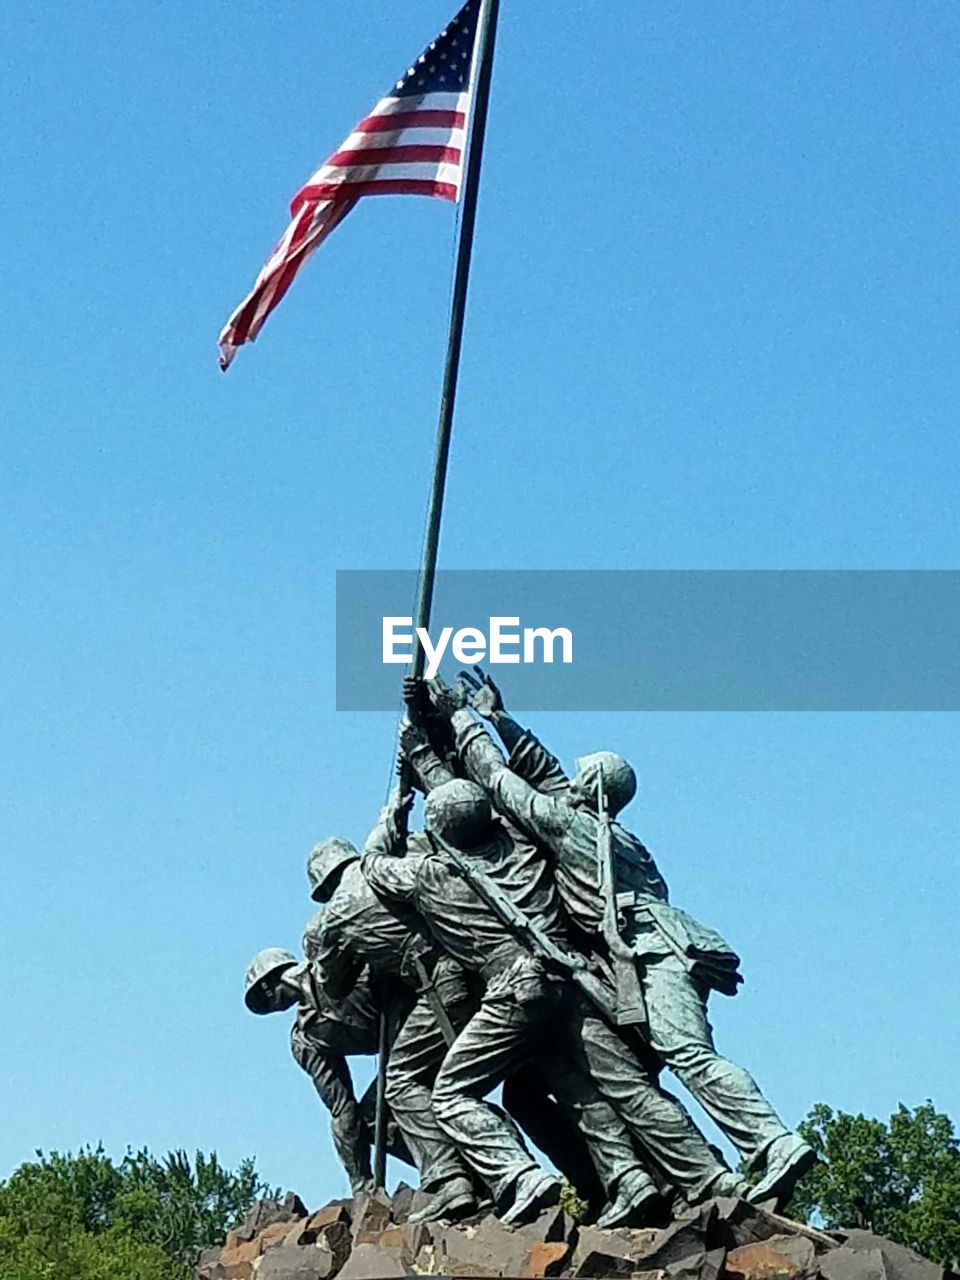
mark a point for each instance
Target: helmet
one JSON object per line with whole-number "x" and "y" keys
{"x": 311, "y": 936}
{"x": 269, "y": 963}
{"x": 619, "y": 780}
{"x": 329, "y": 857}
{"x": 459, "y": 812}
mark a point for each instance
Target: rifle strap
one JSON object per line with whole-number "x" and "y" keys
{"x": 438, "y": 1008}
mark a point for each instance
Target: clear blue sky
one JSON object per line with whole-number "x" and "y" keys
{"x": 714, "y": 325}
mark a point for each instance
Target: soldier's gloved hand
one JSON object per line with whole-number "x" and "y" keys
{"x": 395, "y": 817}
{"x": 414, "y": 696}
{"x": 446, "y": 700}
{"x": 484, "y": 696}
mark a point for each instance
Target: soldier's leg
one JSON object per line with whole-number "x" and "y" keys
{"x": 655, "y": 1118}
{"x": 583, "y": 1136}
{"x": 553, "y": 1130}
{"x": 494, "y": 1043}
{"x": 415, "y": 1058}
{"x": 682, "y": 1036}
{"x": 630, "y": 1190}
{"x": 568, "y": 1072}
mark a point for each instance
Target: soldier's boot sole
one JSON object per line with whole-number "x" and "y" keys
{"x": 785, "y": 1168}
{"x": 535, "y": 1192}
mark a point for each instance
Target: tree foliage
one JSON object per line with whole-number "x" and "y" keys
{"x": 89, "y": 1218}
{"x": 900, "y": 1179}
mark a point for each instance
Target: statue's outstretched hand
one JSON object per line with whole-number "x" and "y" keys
{"x": 414, "y": 696}
{"x": 446, "y": 700}
{"x": 484, "y": 696}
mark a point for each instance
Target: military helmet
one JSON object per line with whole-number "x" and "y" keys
{"x": 619, "y": 780}
{"x": 459, "y": 812}
{"x": 269, "y": 963}
{"x": 329, "y": 857}
{"x": 311, "y": 936}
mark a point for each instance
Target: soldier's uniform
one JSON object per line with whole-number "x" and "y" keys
{"x": 520, "y": 1004}
{"x": 356, "y": 930}
{"x": 681, "y": 960}
{"x": 324, "y": 1035}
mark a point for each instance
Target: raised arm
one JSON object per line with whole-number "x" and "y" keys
{"x": 331, "y": 1078}
{"x": 416, "y": 749}
{"x": 487, "y": 701}
{"x": 543, "y": 817}
{"x": 389, "y": 873}
{"x": 528, "y": 757}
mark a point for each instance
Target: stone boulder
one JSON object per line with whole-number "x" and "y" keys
{"x": 371, "y": 1238}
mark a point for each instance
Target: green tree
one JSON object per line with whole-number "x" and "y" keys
{"x": 89, "y": 1218}
{"x": 900, "y": 1179}
{"x": 185, "y": 1206}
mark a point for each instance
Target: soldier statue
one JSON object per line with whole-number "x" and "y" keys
{"x": 527, "y": 1009}
{"x": 359, "y": 930}
{"x": 523, "y": 939}
{"x": 680, "y": 960}
{"x": 325, "y": 1034}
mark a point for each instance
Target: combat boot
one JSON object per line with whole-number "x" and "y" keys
{"x": 535, "y": 1191}
{"x": 726, "y": 1184}
{"x": 634, "y": 1204}
{"x": 788, "y": 1159}
{"x": 454, "y": 1200}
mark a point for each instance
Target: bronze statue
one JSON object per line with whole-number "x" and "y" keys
{"x": 526, "y": 1008}
{"x": 358, "y": 929}
{"x": 680, "y": 960}
{"x": 526, "y": 939}
{"x": 325, "y": 1034}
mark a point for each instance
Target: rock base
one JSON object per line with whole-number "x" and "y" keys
{"x": 370, "y": 1238}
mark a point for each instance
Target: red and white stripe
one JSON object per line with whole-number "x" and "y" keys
{"x": 406, "y": 146}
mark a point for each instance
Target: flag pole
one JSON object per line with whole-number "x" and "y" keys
{"x": 486, "y": 44}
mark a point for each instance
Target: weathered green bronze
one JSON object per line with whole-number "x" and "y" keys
{"x": 325, "y": 1034}
{"x": 523, "y": 939}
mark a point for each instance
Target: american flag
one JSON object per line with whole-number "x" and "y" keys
{"x": 412, "y": 143}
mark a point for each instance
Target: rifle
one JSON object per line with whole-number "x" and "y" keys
{"x": 631, "y": 1006}
{"x": 530, "y": 935}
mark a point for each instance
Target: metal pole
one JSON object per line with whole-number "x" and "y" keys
{"x": 485, "y": 49}
{"x": 486, "y": 44}
{"x": 380, "y": 1122}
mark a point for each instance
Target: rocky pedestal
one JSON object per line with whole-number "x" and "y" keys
{"x": 369, "y": 1238}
